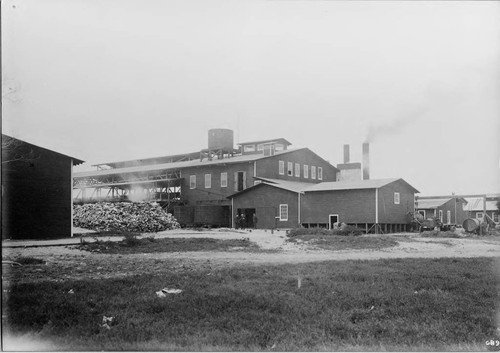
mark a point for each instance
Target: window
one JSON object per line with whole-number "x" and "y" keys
{"x": 448, "y": 216}
{"x": 495, "y": 217}
{"x": 479, "y": 214}
{"x": 441, "y": 215}
{"x": 240, "y": 181}
{"x": 223, "y": 180}
{"x": 290, "y": 168}
{"x": 268, "y": 150}
{"x": 249, "y": 148}
{"x": 284, "y": 212}
{"x": 313, "y": 172}
{"x": 192, "y": 181}
{"x": 422, "y": 212}
{"x": 279, "y": 147}
{"x": 282, "y": 167}
{"x": 297, "y": 170}
{"x": 320, "y": 173}
{"x": 208, "y": 181}
{"x": 306, "y": 171}
{"x": 396, "y": 198}
{"x": 260, "y": 147}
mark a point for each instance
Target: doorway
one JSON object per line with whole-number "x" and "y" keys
{"x": 333, "y": 218}
{"x": 246, "y": 217}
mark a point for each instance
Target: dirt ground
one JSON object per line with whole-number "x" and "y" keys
{"x": 66, "y": 262}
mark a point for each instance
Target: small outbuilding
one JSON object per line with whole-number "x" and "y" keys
{"x": 37, "y": 184}
{"x": 448, "y": 210}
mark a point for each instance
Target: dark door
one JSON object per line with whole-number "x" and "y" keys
{"x": 334, "y": 218}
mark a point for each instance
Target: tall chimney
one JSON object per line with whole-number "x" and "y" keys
{"x": 346, "y": 154}
{"x": 366, "y": 161}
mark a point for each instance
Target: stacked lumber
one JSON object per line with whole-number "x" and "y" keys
{"x": 142, "y": 217}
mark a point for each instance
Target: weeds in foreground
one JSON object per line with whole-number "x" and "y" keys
{"x": 132, "y": 244}
{"x": 29, "y": 260}
{"x": 346, "y": 230}
{"x": 336, "y": 242}
{"x": 431, "y": 304}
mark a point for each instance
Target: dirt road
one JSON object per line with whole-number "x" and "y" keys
{"x": 67, "y": 262}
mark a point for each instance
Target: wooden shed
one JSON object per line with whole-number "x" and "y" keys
{"x": 448, "y": 210}
{"x": 37, "y": 186}
{"x": 376, "y": 205}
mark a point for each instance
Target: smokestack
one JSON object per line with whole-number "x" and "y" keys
{"x": 346, "y": 154}
{"x": 366, "y": 161}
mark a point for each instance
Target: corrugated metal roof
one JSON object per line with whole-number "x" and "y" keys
{"x": 476, "y": 204}
{"x": 350, "y": 185}
{"x": 281, "y": 139}
{"x": 176, "y": 165}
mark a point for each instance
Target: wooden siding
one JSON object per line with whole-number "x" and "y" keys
{"x": 269, "y": 167}
{"x": 36, "y": 195}
{"x": 352, "y": 206}
{"x": 388, "y": 211}
{"x": 216, "y": 194}
{"x": 266, "y": 201}
{"x": 358, "y": 206}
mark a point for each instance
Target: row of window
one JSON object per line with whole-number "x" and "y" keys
{"x": 239, "y": 181}
{"x": 208, "y": 181}
{"x": 305, "y": 170}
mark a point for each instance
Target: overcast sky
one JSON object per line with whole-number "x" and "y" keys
{"x": 115, "y": 80}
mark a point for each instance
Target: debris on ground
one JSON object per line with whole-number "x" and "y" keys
{"x": 107, "y": 321}
{"x": 163, "y": 292}
{"x": 71, "y": 291}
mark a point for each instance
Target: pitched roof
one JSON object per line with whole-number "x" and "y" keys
{"x": 431, "y": 203}
{"x": 301, "y": 187}
{"x": 295, "y": 186}
{"x": 354, "y": 184}
{"x": 76, "y": 161}
{"x": 177, "y": 165}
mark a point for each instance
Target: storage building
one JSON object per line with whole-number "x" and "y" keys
{"x": 37, "y": 189}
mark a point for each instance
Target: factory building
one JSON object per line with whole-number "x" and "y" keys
{"x": 265, "y": 183}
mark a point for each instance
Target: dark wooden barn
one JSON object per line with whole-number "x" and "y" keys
{"x": 37, "y": 186}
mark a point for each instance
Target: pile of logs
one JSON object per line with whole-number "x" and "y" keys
{"x": 143, "y": 217}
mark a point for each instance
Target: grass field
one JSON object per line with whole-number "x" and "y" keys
{"x": 402, "y": 304}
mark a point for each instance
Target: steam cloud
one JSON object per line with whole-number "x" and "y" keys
{"x": 375, "y": 131}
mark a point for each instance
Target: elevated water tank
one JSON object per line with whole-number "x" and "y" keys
{"x": 220, "y": 139}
